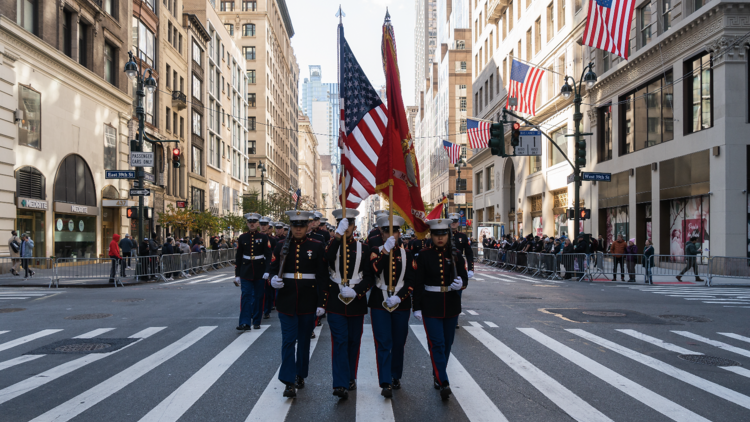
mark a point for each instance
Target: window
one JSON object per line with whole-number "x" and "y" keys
{"x": 644, "y": 13}
{"x": 169, "y": 32}
{"x": 606, "y": 60}
{"x": 647, "y": 115}
{"x": 535, "y": 164}
{"x": 489, "y": 180}
{"x": 110, "y": 69}
{"x": 478, "y": 182}
{"x": 145, "y": 42}
{"x": 249, "y": 6}
{"x": 230, "y": 28}
{"x": 558, "y": 136}
{"x": 251, "y": 76}
{"x": 604, "y": 135}
{"x": 182, "y": 127}
{"x": 578, "y": 5}
{"x": 196, "y": 161}
{"x": 26, "y": 15}
{"x": 550, "y": 21}
{"x": 699, "y": 93}
{"x": 460, "y": 45}
{"x": 168, "y": 119}
{"x": 697, "y": 4}
{"x": 110, "y": 148}
{"x": 249, "y": 53}
{"x": 462, "y": 128}
{"x": 462, "y": 103}
{"x": 197, "y": 53}
{"x": 174, "y": 122}
{"x": 537, "y": 35}
{"x": 666, "y": 14}
{"x": 528, "y": 45}
{"x": 248, "y": 30}
{"x": 251, "y": 100}
{"x": 510, "y": 16}
{"x": 463, "y": 66}
{"x": 67, "y": 33}
{"x": 251, "y": 169}
{"x": 196, "y": 123}
{"x": 83, "y": 43}
{"x": 561, "y": 14}
{"x": 197, "y": 197}
{"x": 196, "y": 88}
{"x": 251, "y": 123}
{"x": 227, "y": 6}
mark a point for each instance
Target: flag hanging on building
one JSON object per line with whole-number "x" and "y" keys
{"x": 397, "y": 162}
{"x": 296, "y": 194}
{"x": 363, "y": 122}
{"x": 454, "y": 151}
{"x": 437, "y": 212}
{"x": 479, "y": 133}
{"x": 608, "y": 26}
{"x": 523, "y": 85}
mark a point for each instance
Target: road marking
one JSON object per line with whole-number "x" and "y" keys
{"x": 472, "y": 312}
{"x": 720, "y": 345}
{"x": 501, "y": 279}
{"x": 462, "y": 314}
{"x": 97, "y": 332}
{"x": 684, "y": 376}
{"x": 19, "y": 360}
{"x": 199, "y": 278}
{"x": 659, "y": 343}
{"x": 736, "y": 337}
{"x": 565, "y": 399}
{"x": 228, "y": 278}
{"x": 206, "y": 279}
{"x": 174, "y": 406}
{"x": 98, "y": 393}
{"x": 475, "y": 324}
{"x": 729, "y": 303}
{"x": 475, "y": 403}
{"x": 737, "y": 370}
{"x": 272, "y": 405}
{"x": 371, "y": 406}
{"x": 651, "y": 399}
{"x": 26, "y": 339}
{"x": 14, "y": 298}
{"x": 3, "y": 294}
{"x": 50, "y": 375}
{"x": 491, "y": 324}
{"x": 3, "y": 332}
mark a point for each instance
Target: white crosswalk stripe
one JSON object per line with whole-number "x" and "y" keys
{"x": 3, "y": 332}
{"x": 26, "y": 339}
{"x": 715, "y": 343}
{"x": 28, "y": 358}
{"x": 718, "y": 296}
{"x": 371, "y": 406}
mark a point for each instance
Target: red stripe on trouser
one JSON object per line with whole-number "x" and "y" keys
{"x": 432, "y": 359}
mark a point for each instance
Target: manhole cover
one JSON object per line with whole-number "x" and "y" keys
{"x": 604, "y": 313}
{"x": 9, "y": 310}
{"x": 527, "y": 297}
{"x": 128, "y": 300}
{"x": 89, "y": 316}
{"x": 685, "y": 318}
{"x": 709, "y": 360}
{"x": 82, "y": 347}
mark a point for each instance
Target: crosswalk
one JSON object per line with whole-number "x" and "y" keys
{"x": 486, "y": 274}
{"x": 205, "y": 278}
{"x": 614, "y": 366}
{"x": 728, "y": 297}
{"x": 18, "y": 295}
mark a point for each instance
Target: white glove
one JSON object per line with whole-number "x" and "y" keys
{"x": 418, "y": 315}
{"x": 389, "y": 244}
{"x": 457, "y": 284}
{"x": 343, "y": 225}
{"x": 347, "y": 291}
{"x": 265, "y": 276}
{"x": 237, "y": 281}
{"x": 471, "y": 273}
{"x": 320, "y": 312}
{"x": 277, "y": 282}
{"x": 393, "y": 301}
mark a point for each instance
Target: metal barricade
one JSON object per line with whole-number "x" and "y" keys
{"x": 547, "y": 265}
{"x": 673, "y": 266}
{"x": 521, "y": 261}
{"x": 532, "y": 263}
{"x": 81, "y": 269}
{"x": 572, "y": 265}
{"x": 38, "y": 267}
{"x": 475, "y": 252}
{"x": 596, "y": 265}
{"x": 173, "y": 266}
{"x": 630, "y": 267}
{"x": 511, "y": 260}
{"x": 145, "y": 268}
{"x": 725, "y": 269}
{"x": 491, "y": 255}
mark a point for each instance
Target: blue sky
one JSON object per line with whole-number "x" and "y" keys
{"x": 314, "y": 40}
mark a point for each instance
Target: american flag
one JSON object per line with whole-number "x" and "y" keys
{"x": 296, "y": 194}
{"x": 454, "y": 151}
{"x": 363, "y": 122}
{"x": 479, "y": 133}
{"x": 608, "y": 25}
{"x": 523, "y": 85}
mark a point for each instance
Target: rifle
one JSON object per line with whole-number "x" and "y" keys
{"x": 285, "y": 248}
{"x": 454, "y": 251}
{"x": 344, "y": 255}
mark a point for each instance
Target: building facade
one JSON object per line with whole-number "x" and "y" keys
{"x": 309, "y": 162}
{"x": 320, "y": 102}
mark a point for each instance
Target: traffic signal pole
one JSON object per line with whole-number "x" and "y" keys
{"x": 139, "y": 171}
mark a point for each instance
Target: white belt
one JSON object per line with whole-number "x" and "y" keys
{"x": 254, "y": 257}
{"x": 439, "y": 289}
{"x": 299, "y": 276}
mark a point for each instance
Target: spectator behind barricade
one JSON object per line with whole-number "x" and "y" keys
{"x": 185, "y": 246}
{"x": 568, "y": 249}
{"x": 126, "y": 247}
{"x": 691, "y": 250}
{"x": 630, "y": 258}
{"x": 14, "y": 245}
{"x": 196, "y": 245}
{"x": 168, "y": 249}
{"x": 114, "y": 254}
{"x": 648, "y": 254}
{"x": 617, "y": 249}
{"x": 214, "y": 242}
{"x": 602, "y": 244}
{"x": 223, "y": 244}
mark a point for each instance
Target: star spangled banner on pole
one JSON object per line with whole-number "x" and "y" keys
{"x": 478, "y": 132}
{"x": 523, "y": 85}
{"x": 453, "y": 150}
{"x": 296, "y": 194}
{"x": 608, "y": 26}
{"x": 363, "y": 122}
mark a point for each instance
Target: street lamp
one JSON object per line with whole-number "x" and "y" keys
{"x": 460, "y": 163}
{"x": 589, "y": 78}
{"x": 134, "y": 74}
{"x": 262, "y": 169}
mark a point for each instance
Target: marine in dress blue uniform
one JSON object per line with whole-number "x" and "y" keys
{"x": 323, "y": 229}
{"x": 375, "y": 236}
{"x": 253, "y": 260}
{"x": 302, "y": 287}
{"x": 437, "y": 301}
{"x": 463, "y": 246}
{"x": 390, "y": 329}
{"x": 346, "y": 320}
{"x": 269, "y": 293}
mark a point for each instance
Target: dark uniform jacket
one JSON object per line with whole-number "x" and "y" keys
{"x": 252, "y": 244}
{"x": 304, "y": 295}
{"x": 379, "y": 260}
{"x": 358, "y": 306}
{"x": 374, "y": 239}
{"x": 316, "y": 236}
{"x": 417, "y": 245}
{"x": 463, "y": 244}
{"x": 325, "y": 234}
{"x": 434, "y": 267}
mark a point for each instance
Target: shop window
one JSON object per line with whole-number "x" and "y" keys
{"x": 74, "y": 183}
{"x": 558, "y": 136}
{"x": 699, "y": 90}
{"x": 688, "y": 217}
{"x": 647, "y": 115}
{"x": 604, "y": 133}
{"x": 110, "y": 147}
{"x": 30, "y": 127}
{"x": 30, "y": 183}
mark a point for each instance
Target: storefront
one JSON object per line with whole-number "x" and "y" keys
{"x": 30, "y": 215}
{"x": 75, "y": 230}
{"x": 614, "y": 212}
{"x": 111, "y": 215}
{"x": 537, "y": 225}
{"x": 559, "y": 210}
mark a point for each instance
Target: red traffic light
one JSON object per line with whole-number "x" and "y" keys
{"x": 516, "y": 126}
{"x": 132, "y": 212}
{"x": 176, "y": 152}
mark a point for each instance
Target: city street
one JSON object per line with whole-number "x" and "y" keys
{"x": 527, "y": 350}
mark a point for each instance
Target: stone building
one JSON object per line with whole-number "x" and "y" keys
{"x": 309, "y": 161}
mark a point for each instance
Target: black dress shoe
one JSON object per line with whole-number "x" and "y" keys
{"x": 387, "y": 391}
{"x": 313, "y": 335}
{"x": 266, "y": 316}
{"x": 318, "y": 323}
{"x": 257, "y": 327}
{"x": 458, "y": 326}
{"x": 273, "y": 308}
{"x": 299, "y": 383}
{"x": 290, "y": 391}
{"x": 352, "y": 385}
{"x": 341, "y": 393}
{"x": 396, "y": 384}
{"x": 445, "y": 391}
{"x": 243, "y": 327}
{"x": 435, "y": 383}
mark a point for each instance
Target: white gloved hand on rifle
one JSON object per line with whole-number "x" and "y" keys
{"x": 389, "y": 244}
{"x": 393, "y": 301}
{"x": 471, "y": 273}
{"x": 418, "y": 315}
{"x": 348, "y": 292}
{"x": 265, "y": 276}
{"x": 343, "y": 226}
{"x": 277, "y": 282}
{"x": 457, "y": 284}
{"x": 320, "y": 311}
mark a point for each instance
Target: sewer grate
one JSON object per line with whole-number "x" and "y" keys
{"x": 129, "y": 300}
{"x": 89, "y": 316}
{"x": 9, "y": 310}
{"x": 527, "y": 297}
{"x": 709, "y": 360}
{"x": 685, "y": 318}
{"x": 82, "y": 347}
{"x": 604, "y": 313}
{"x": 77, "y": 346}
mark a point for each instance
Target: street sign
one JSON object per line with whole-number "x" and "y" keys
{"x": 149, "y": 177}
{"x": 127, "y": 174}
{"x": 140, "y": 192}
{"x": 571, "y": 178}
{"x": 181, "y": 204}
{"x": 459, "y": 198}
{"x": 596, "y": 177}
{"x": 530, "y": 143}
{"x": 141, "y": 159}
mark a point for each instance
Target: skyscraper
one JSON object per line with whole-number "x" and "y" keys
{"x": 320, "y": 102}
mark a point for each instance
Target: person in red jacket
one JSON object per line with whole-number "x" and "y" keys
{"x": 114, "y": 254}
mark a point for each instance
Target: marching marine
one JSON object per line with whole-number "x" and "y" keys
{"x": 462, "y": 243}
{"x": 375, "y": 237}
{"x": 251, "y": 271}
{"x": 323, "y": 230}
{"x": 300, "y": 277}
{"x": 312, "y": 227}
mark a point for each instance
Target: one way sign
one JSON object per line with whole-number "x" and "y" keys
{"x": 140, "y": 192}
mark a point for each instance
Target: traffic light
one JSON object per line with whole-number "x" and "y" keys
{"x": 132, "y": 212}
{"x": 497, "y": 139}
{"x": 585, "y": 214}
{"x": 581, "y": 152}
{"x": 176, "y": 158}
{"x": 515, "y": 134}
{"x": 571, "y": 213}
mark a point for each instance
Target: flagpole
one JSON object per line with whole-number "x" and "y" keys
{"x": 344, "y": 281}
{"x": 390, "y": 253}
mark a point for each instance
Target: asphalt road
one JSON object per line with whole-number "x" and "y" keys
{"x": 527, "y": 350}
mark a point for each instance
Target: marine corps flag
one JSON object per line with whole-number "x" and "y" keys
{"x": 397, "y": 162}
{"x": 437, "y": 212}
